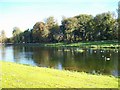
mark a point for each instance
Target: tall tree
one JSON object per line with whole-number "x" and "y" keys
{"x": 104, "y": 26}
{"x": 3, "y": 37}
{"x": 77, "y": 28}
{"x": 50, "y": 22}
{"x": 85, "y": 25}
{"x": 53, "y": 28}
{"x": 69, "y": 25}
{"x": 27, "y": 36}
{"x": 119, "y": 9}
{"x": 17, "y": 35}
{"x": 119, "y": 19}
{"x": 40, "y": 32}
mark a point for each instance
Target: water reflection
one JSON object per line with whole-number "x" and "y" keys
{"x": 102, "y": 61}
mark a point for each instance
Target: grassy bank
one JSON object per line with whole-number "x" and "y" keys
{"x": 92, "y": 44}
{"x": 22, "y": 76}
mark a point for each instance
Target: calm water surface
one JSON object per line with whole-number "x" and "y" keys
{"x": 95, "y": 61}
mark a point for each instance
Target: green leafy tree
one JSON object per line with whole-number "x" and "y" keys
{"x": 82, "y": 27}
{"x": 85, "y": 26}
{"x": 77, "y": 28}
{"x": 69, "y": 25}
{"x": 50, "y": 22}
{"x": 119, "y": 18}
{"x": 3, "y": 37}
{"x": 105, "y": 26}
{"x": 17, "y": 35}
{"x": 53, "y": 27}
{"x": 119, "y": 9}
{"x": 40, "y": 32}
{"x": 54, "y": 33}
{"x": 27, "y": 36}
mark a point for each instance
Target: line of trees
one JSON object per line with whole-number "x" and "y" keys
{"x": 119, "y": 19}
{"x": 82, "y": 27}
{"x": 74, "y": 29}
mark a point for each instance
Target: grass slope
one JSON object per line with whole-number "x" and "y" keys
{"x": 22, "y": 76}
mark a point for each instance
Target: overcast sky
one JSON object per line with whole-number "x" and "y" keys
{"x": 25, "y": 13}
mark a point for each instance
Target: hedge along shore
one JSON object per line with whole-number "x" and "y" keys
{"x": 86, "y": 44}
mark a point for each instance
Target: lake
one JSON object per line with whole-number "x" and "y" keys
{"x": 95, "y": 61}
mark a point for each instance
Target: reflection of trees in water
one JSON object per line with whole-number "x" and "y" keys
{"x": 17, "y": 53}
{"x": 3, "y": 52}
{"x": 22, "y": 52}
{"x": 94, "y": 61}
{"x": 89, "y": 61}
{"x": 97, "y": 63}
{"x": 44, "y": 57}
{"x": 28, "y": 52}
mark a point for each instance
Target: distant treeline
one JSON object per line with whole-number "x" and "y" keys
{"x": 74, "y": 29}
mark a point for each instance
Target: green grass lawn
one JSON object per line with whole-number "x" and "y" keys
{"x": 22, "y": 76}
